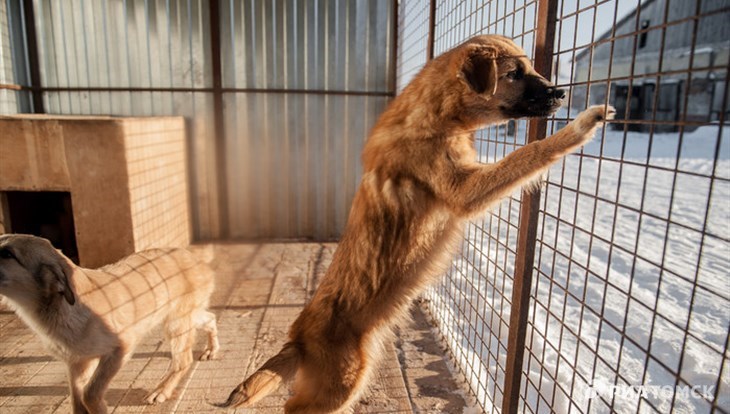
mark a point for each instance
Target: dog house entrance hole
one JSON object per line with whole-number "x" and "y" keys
{"x": 42, "y": 213}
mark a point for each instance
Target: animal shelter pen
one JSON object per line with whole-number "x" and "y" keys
{"x": 605, "y": 291}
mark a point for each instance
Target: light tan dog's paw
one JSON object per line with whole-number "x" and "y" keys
{"x": 157, "y": 397}
{"x": 208, "y": 354}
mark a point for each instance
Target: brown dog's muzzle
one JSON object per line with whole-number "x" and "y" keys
{"x": 555, "y": 93}
{"x": 539, "y": 98}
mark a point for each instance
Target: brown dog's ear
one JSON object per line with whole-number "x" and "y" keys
{"x": 60, "y": 273}
{"x": 480, "y": 72}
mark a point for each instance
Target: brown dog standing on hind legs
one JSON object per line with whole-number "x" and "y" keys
{"x": 93, "y": 319}
{"x": 420, "y": 183}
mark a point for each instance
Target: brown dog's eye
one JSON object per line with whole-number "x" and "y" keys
{"x": 6, "y": 254}
{"x": 515, "y": 74}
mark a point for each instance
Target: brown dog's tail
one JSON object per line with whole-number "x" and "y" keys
{"x": 277, "y": 370}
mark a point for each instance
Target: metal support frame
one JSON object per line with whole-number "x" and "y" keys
{"x": 394, "y": 53}
{"x": 431, "y": 29}
{"x": 209, "y": 90}
{"x": 33, "y": 60}
{"x": 219, "y": 128}
{"x": 529, "y": 212}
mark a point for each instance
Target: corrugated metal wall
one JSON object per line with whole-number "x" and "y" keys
{"x": 302, "y": 83}
{"x": 294, "y": 158}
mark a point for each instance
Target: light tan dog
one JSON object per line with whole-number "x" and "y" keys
{"x": 420, "y": 183}
{"x": 87, "y": 316}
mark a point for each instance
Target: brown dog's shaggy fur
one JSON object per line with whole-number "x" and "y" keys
{"x": 420, "y": 183}
{"x": 93, "y": 319}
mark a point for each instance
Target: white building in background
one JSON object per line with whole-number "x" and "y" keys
{"x": 656, "y": 68}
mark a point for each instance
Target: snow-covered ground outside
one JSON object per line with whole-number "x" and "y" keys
{"x": 610, "y": 221}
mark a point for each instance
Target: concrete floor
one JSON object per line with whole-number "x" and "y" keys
{"x": 260, "y": 290}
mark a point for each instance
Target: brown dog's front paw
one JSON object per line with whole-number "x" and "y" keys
{"x": 593, "y": 116}
{"x": 603, "y": 112}
{"x": 610, "y": 113}
{"x": 586, "y": 122}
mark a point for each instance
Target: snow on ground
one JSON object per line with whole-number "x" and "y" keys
{"x": 611, "y": 220}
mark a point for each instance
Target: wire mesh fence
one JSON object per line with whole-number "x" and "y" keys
{"x": 626, "y": 276}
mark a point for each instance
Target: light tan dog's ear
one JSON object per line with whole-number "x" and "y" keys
{"x": 480, "y": 71}
{"x": 60, "y": 272}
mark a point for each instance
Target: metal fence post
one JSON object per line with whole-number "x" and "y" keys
{"x": 431, "y": 30}
{"x": 220, "y": 137}
{"x": 33, "y": 59}
{"x": 393, "y": 84}
{"x": 529, "y": 210}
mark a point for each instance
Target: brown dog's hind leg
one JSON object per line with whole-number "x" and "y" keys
{"x": 277, "y": 370}
{"x": 330, "y": 386}
{"x": 181, "y": 334}
{"x": 333, "y": 397}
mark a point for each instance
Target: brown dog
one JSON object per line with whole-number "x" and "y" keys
{"x": 93, "y": 319}
{"x": 420, "y": 183}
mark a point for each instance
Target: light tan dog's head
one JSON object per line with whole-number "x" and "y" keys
{"x": 497, "y": 75}
{"x": 32, "y": 270}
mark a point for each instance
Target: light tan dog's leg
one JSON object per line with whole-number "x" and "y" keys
{"x": 94, "y": 392}
{"x": 206, "y": 321}
{"x": 79, "y": 373}
{"x": 477, "y": 186}
{"x": 181, "y": 334}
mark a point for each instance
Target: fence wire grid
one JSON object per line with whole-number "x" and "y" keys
{"x": 627, "y": 275}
